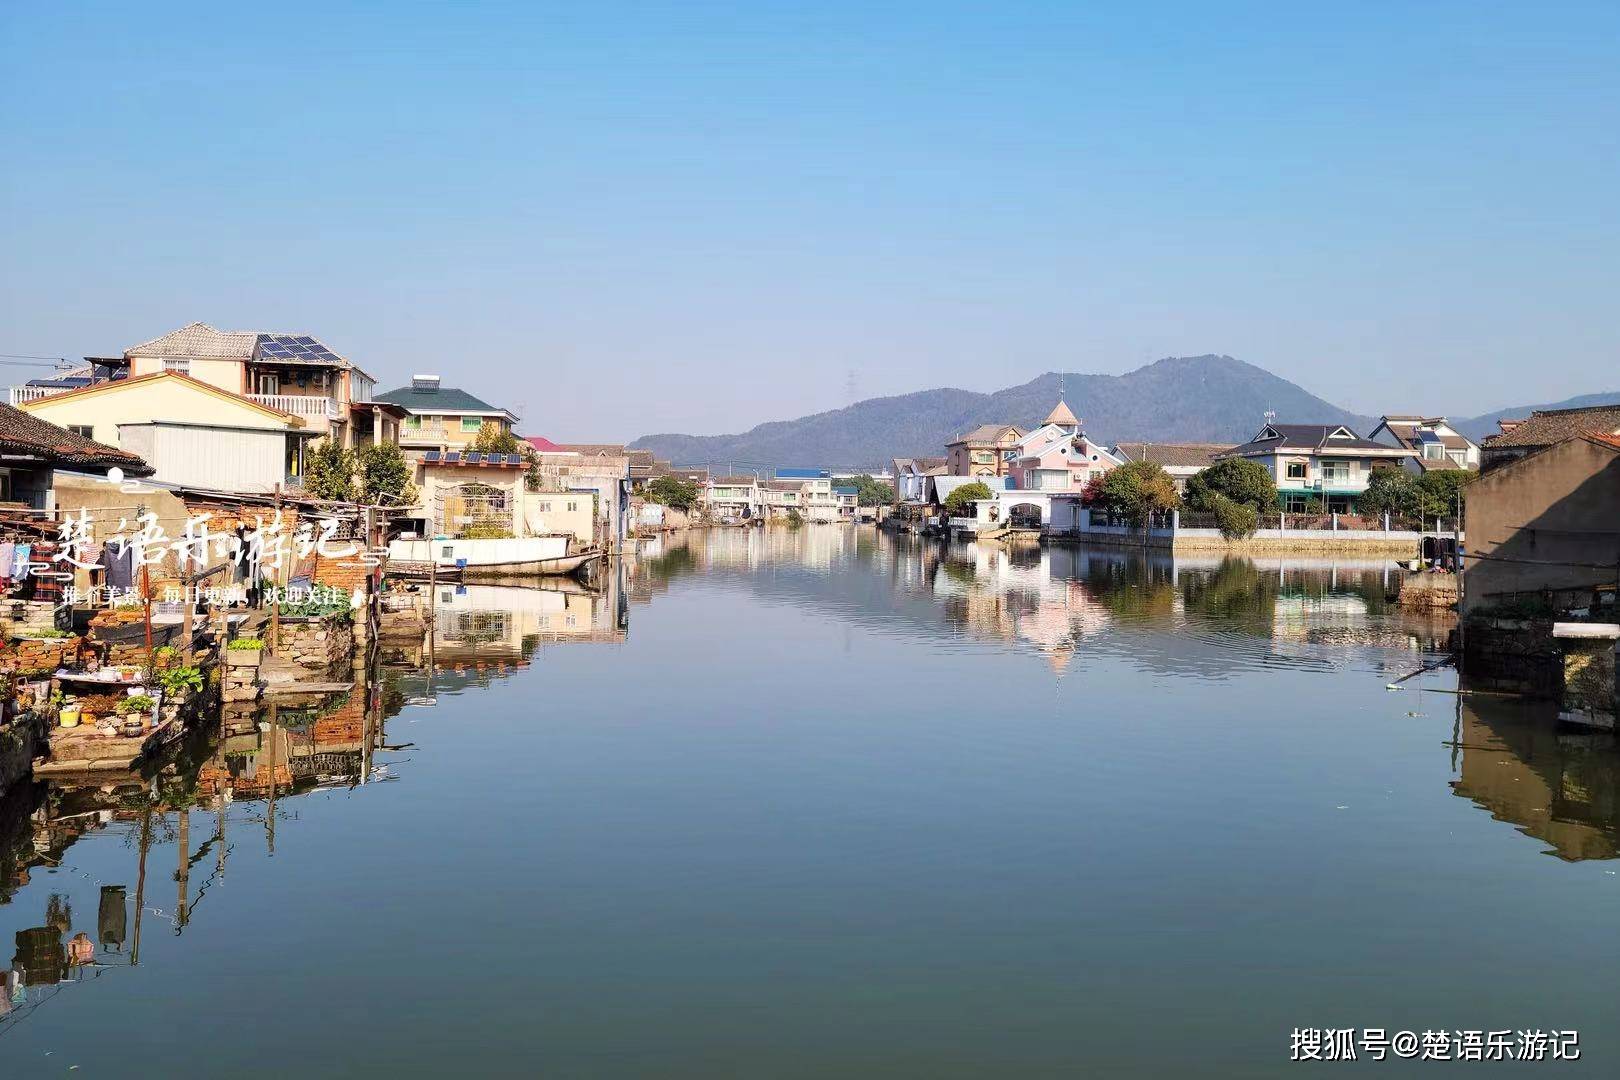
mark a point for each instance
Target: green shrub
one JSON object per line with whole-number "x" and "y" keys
{"x": 1235, "y": 520}
{"x": 1238, "y": 479}
{"x": 136, "y": 703}
{"x": 960, "y": 502}
{"x": 316, "y": 607}
{"x": 247, "y": 644}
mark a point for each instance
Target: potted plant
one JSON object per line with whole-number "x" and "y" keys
{"x": 180, "y": 682}
{"x": 67, "y": 714}
{"x": 245, "y": 651}
{"x": 137, "y": 706}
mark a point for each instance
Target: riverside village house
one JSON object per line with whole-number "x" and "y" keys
{"x": 1434, "y": 443}
{"x": 987, "y": 450}
{"x": 1323, "y": 463}
{"x": 290, "y": 373}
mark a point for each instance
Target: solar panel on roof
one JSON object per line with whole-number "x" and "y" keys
{"x": 453, "y": 456}
{"x": 474, "y": 458}
{"x": 431, "y": 456}
{"x": 514, "y": 459}
{"x": 304, "y": 340}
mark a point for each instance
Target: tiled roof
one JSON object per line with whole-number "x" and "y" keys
{"x": 600, "y": 450}
{"x": 200, "y": 341}
{"x": 1062, "y": 415}
{"x": 1275, "y": 437}
{"x": 443, "y": 401}
{"x": 1555, "y": 425}
{"x": 989, "y": 433}
{"x": 1199, "y": 455}
{"x": 733, "y": 481}
{"x": 25, "y": 434}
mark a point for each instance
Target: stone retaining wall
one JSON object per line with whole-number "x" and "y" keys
{"x": 317, "y": 644}
{"x": 19, "y": 618}
{"x": 1518, "y": 655}
{"x": 1428, "y": 591}
{"x": 239, "y": 677}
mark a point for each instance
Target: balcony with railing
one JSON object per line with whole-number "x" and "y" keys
{"x": 20, "y": 394}
{"x": 308, "y": 406}
{"x": 429, "y": 434}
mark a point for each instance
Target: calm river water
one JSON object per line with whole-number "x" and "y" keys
{"x": 823, "y": 803}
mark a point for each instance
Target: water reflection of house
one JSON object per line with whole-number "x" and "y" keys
{"x": 1560, "y": 787}
{"x": 484, "y": 623}
{"x": 1014, "y": 596}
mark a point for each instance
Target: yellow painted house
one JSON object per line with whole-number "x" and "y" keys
{"x": 190, "y": 432}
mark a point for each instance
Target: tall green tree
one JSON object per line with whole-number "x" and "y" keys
{"x": 1238, "y": 479}
{"x": 1443, "y": 491}
{"x": 672, "y": 491}
{"x": 329, "y": 472}
{"x": 385, "y": 475}
{"x": 1139, "y": 489}
{"x": 1391, "y": 491}
{"x": 871, "y": 492}
{"x": 497, "y": 438}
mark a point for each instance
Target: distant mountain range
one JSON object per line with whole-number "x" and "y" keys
{"x": 1478, "y": 427}
{"x": 1179, "y": 399}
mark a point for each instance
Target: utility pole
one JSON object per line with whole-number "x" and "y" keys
{"x": 275, "y": 601}
{"x": 182, "y": 876}
{"x": 140, "y": 883}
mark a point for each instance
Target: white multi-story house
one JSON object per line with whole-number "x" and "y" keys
{"x": 1434, "y": 443}
{"x": 293, "y": 374}
{"x": 1327, "y": 464}
{"x": 809, "y": 491}
{"x": 911, "y": 476}
{"x": 733, "y": 497}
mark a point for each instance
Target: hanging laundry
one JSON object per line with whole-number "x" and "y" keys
{"x": 119, "y": 559}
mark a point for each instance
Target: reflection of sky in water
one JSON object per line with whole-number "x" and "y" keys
{"x": 828, "y": 811}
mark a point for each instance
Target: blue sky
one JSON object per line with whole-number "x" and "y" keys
{"x": 628, "y": 218}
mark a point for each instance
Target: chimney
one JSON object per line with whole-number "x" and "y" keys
{"x": 425, "y": 383}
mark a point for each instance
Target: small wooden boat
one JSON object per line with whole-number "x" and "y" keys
{"x": 494, "y": 559}
{"x": 560, "y": 565}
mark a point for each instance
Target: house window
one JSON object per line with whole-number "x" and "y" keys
{"x": 1335, "y": 472}
{"x": 179, "y": 367}
{"x": 471, "y": 423}
{"x": 545, "y": 508}
{"x": 573, "y": 506}
{"x": 414, "y": 422}
{"x": 1296, "y": 470}
{"x": 1433, "y": 451}
{"x": 81, "y": 429}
